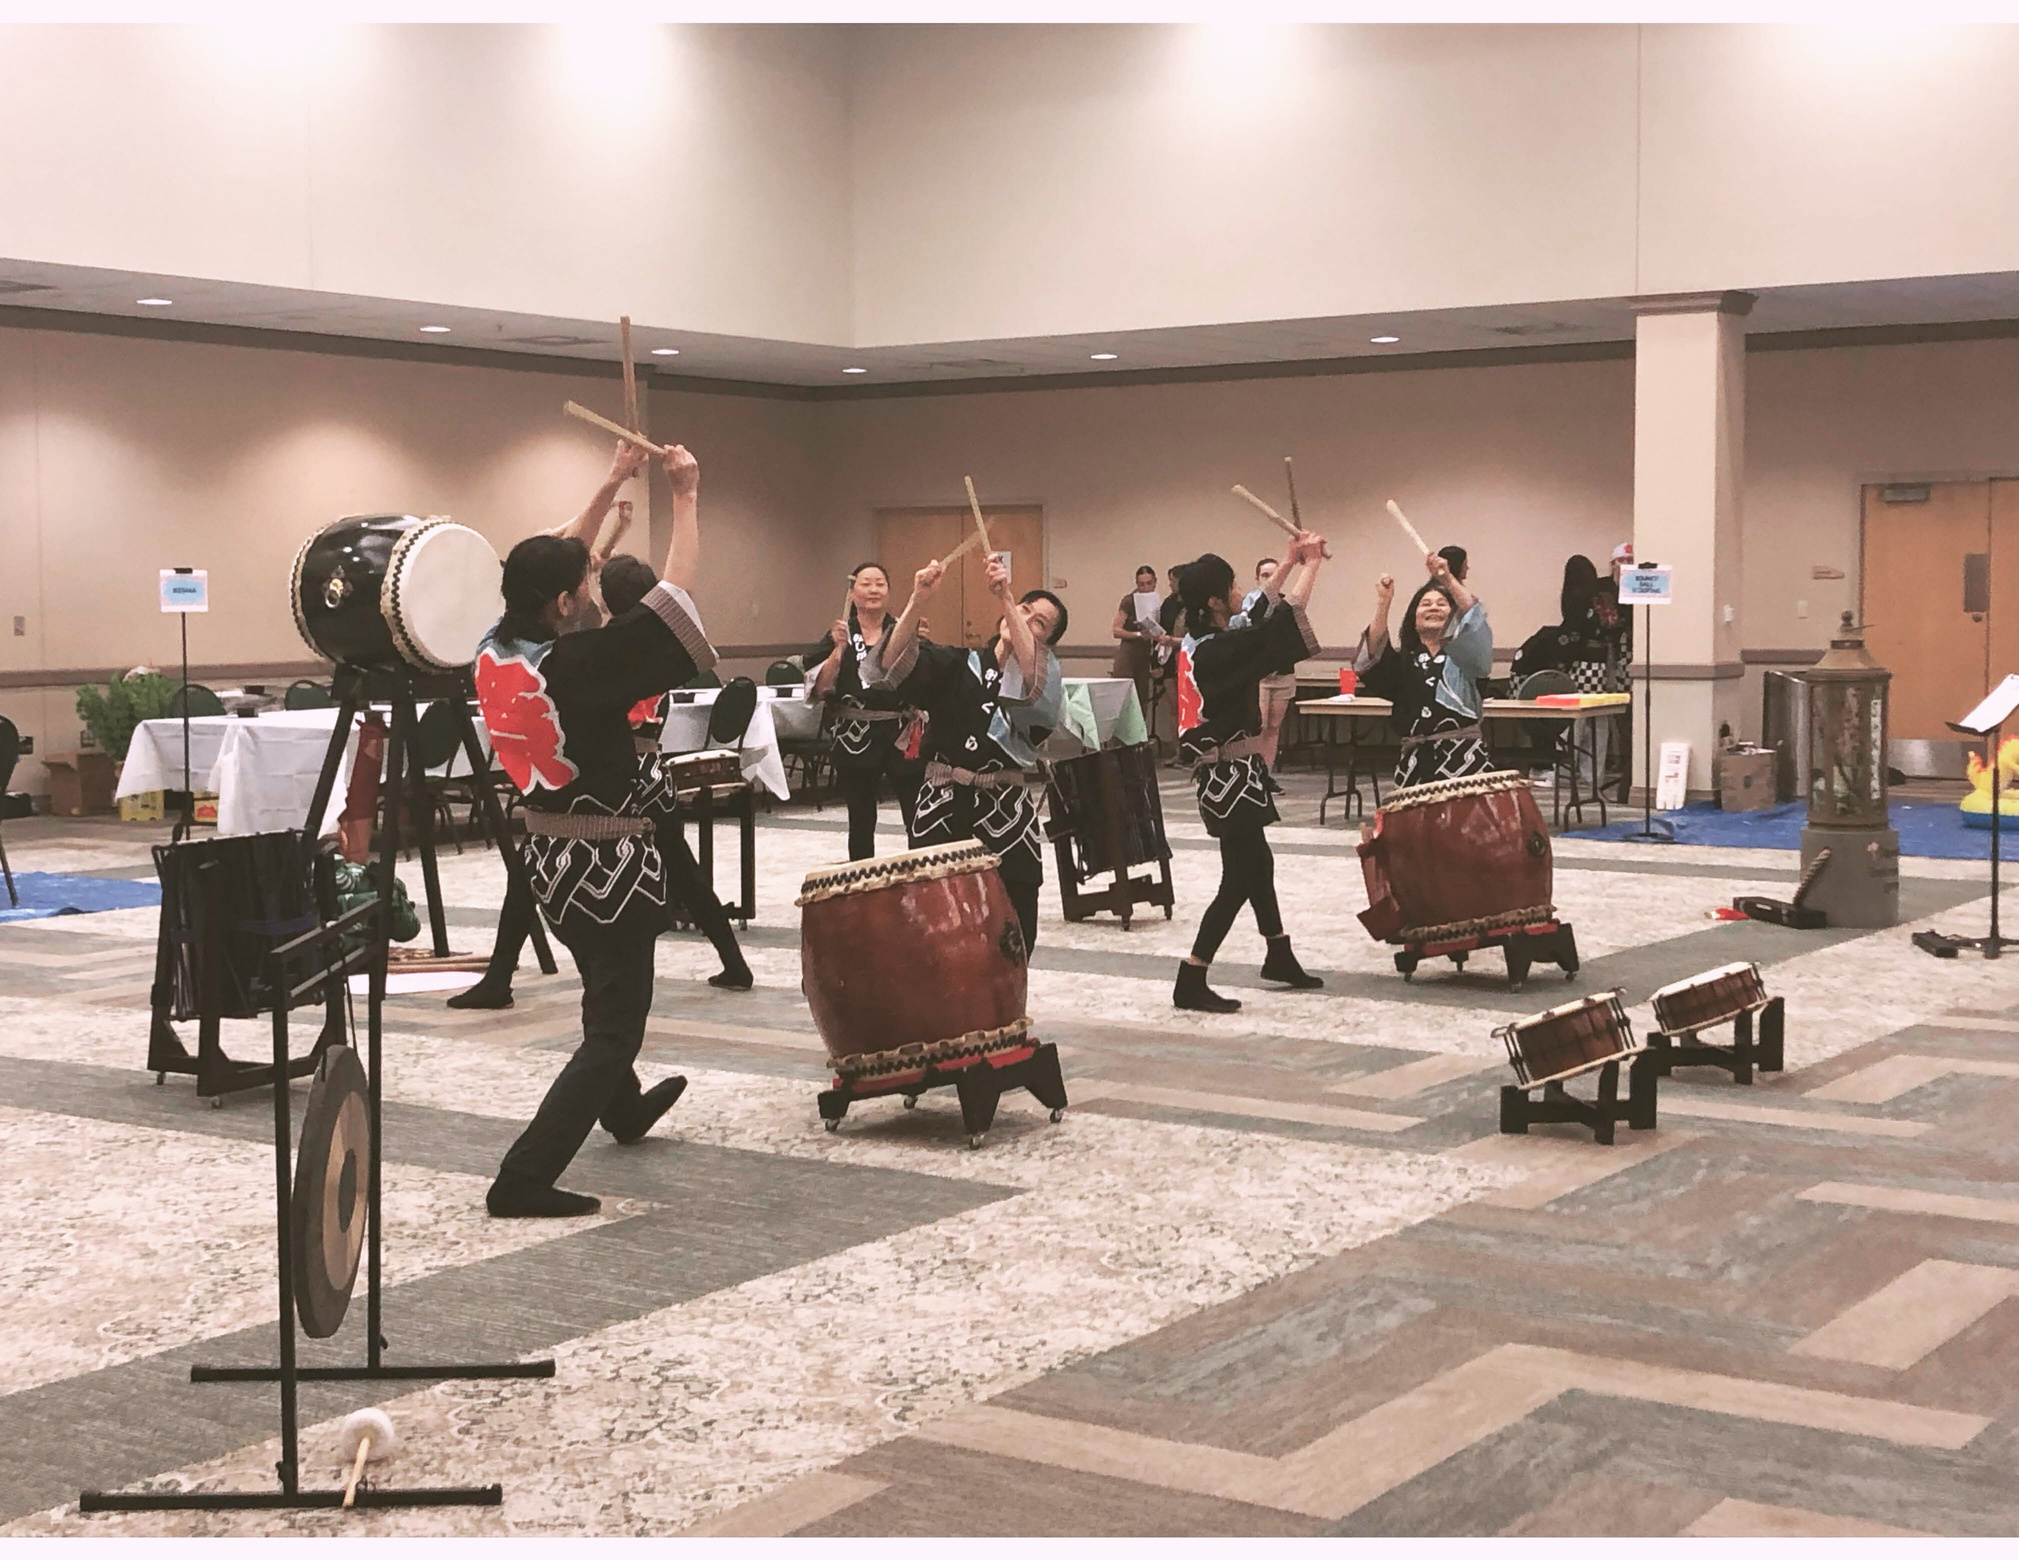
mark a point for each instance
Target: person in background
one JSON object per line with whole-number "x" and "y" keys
{"x": 1278, "y": 690}
{"x": 1137, "y": 635}
{"x": 1433, "y": 675}
{"x": 1171, "y": 619}
{"x": 870, "y": 723}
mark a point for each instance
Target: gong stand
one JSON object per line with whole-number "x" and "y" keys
{"x": 320, "y": 954}
{"x": 356, "y": 688}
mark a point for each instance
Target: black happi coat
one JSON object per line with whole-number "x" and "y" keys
{"x": 559, "y": 716}
{"x": 1218, "y": 695}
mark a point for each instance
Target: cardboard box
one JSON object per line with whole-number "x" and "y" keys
{"x": 144, "y": 808}
{"x": 80, "y": 783}
{"x": 1746, "y": 780}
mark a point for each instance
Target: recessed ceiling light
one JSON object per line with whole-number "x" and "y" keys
{"x": 855, "y": 370}
{"x": 1105, "y": 357}
{"x": 154, "y": 303}
{"x": 665, "y": 352}
{"x": 435, "y": 330}
{"x": 1384, "y": 341}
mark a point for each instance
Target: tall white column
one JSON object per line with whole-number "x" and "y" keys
{"x": 1689, "y": 438}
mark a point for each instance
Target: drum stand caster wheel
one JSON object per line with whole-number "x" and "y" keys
{"x": 217, "y": 1103}
{"x": 974, "y": 1139}
{"x": 1057, "y": 1117}
{"x": 160, "y": 1079}
{"x": 911, "y": 1102}
{"x": 832, "y": 1125}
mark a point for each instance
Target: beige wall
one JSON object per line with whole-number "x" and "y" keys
{"x": 570, "y": 171}
{"x": 958, "y": 183}
{"x": 118, "y": 456}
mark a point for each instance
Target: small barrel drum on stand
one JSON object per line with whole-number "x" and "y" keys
{"x": 1591, "y": 1035}
{"x": 1107, "y": 816}
{"x": 1731, "y": 995}
{"x": 915, "y": 969}
{"x": 1458, "y": 865}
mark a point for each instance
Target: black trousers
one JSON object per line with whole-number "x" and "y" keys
{"x": 861, "y": 788}
{"x": 683, "y": 880}
{"x": 1023, "y": 893}
{"x": 1247, "y": 877}
{"x": 599, "y": 1083}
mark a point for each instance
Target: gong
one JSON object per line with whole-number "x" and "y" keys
{"x": 328, "y": 1216}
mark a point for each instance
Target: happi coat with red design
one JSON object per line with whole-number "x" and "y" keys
{"x": 559, "y": 716}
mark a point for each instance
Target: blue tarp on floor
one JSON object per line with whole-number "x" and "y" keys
{"x": 1926, "y": 829}
{"x": 69, "y": 893}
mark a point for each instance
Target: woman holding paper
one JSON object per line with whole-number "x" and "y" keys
{"x": 1137, "y": 634}
{"x": 1433, "y": 675}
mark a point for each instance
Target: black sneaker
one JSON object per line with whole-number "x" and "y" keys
{"x": 516, "y": 1197}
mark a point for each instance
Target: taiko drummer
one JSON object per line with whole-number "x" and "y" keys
{"x": 1433, "y": 675}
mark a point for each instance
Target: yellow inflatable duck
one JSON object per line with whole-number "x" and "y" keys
{"x": 1977, "y": 805}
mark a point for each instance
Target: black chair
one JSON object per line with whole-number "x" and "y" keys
{"x": 783, "y": 674}
{"x": 305, "y": 694}
{"x": 703, "y": 680}
{"x": 13, "y": 804}
{"x": 728, "y": 721}
{"x": 198, "y": 699}
{"x": 437, "y": 740}
{"x": 809, "y": 756}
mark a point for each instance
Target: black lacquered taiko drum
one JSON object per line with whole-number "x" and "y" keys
{"x": 381, "y": 590}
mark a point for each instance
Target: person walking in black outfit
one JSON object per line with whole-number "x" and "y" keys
{"x": 557, "y": 706}
{"x": 1220, "y": 678}
{"x": 870, "y": 723}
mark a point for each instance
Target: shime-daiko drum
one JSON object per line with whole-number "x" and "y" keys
{"x": 381, "y": 590}
{"x": 1457, "y": 858}
{"x": 912, "y": 959}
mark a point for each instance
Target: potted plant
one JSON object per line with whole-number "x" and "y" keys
{"x": 110, "y": 714}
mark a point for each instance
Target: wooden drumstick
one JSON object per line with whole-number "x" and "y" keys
{"x": 980, "y": 524}
{"x": 576, "y": 409}
{"x": 1402, "y": 520}
{"x": 1290, "y": 476}
{"x": 631, "y": 419}
{"x": 1289, "y": 528}
{"x": 974, "y": 539}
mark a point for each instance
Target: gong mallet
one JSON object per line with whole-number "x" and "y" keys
{"x": 1289, "y": 527}
{"x": 576, "y": 409}
{"x": 368, "y": 1435}
{"x": 1422, "y": 547}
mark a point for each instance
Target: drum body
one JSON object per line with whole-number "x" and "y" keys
{"x": 1568, "y": 1039}
{"x": 1107, "y": 804}
{"x": 1456, "y": 858}
{"x": 382, "y": 590}
{"x": 689, "y": 772}
{"x": 1715, "y": 997}
{"x": 918, "y": 952}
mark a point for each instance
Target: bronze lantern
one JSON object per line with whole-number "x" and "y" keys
{"x": 1848, "y": 817}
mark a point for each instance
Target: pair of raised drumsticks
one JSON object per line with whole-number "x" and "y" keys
{"x": 1294, "y": 522}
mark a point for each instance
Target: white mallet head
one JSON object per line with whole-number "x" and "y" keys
{"x": 373, "y": 1424}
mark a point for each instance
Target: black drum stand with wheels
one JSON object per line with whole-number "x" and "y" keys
{"x": 980, "y": 1081}
{"x": 1548, "y": 942}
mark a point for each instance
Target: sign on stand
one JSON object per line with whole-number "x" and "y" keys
{"x": 1648, "y": 587}
{"x": 185, "y": 590}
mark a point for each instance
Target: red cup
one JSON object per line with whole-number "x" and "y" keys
{"x": 1348, "y": 680}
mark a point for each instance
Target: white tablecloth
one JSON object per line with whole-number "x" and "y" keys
{"x": 778, "y": 710}
{"x": 263, "y": 770}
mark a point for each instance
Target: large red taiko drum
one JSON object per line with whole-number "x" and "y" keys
{"x": 912, "y": 958}
{"x": 1456, "y": 858}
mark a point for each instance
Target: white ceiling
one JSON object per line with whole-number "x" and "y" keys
{"x": 28, "y": 285}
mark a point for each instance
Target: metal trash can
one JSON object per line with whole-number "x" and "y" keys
{"x": 1784, "y": 727}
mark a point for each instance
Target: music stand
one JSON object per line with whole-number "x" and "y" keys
{"x": 1648, "y": 833}
{"x": 1986, "y": 720}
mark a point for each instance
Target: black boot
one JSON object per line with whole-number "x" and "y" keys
{"x": 1281, "y": 964}
{"x": 736, "y": 977}
{"x": 652, "y": 1104}
{"x": 485, "y": 994}
{"x": 1192, "y": 992}
{"x": 515, "y": 1197}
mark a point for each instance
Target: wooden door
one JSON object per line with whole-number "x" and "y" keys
{"x": 962, "y": 611}
{"x": 1925, "y": 596}
{"x": 2002, "y": 652}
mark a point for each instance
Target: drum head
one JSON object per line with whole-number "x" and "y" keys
{"x": 327, "y": 1221}
{"x": 442, "y": 595}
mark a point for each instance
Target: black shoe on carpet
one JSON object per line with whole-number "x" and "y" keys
{"x": 652, "y": 1104}
{"x": 1281, "y": 964}
{"x": 483, "y": 995}
{"x": 1192, "y": 992}
{"x": 733, "y": 980}
{"x": 515, "y": 1197}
